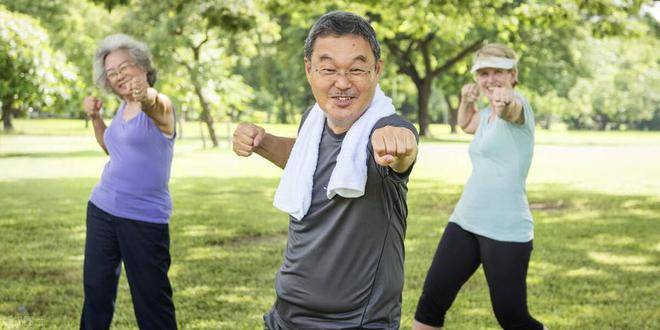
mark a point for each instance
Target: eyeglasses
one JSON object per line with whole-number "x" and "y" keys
{"x": 113, "y": 74}
{"x": 353, "y": 75}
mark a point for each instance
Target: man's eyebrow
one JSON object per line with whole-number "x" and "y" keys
{"x": 360, "y": 58}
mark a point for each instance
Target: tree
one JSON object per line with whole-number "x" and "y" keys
{"x": 203, "y": 40}
{"x": 257, "y": 44}
{"x": 32, "y": 74}
{"x": 74, "y": 28}
{"x": 277, "y": 72}
{"x": 427, "y": 44}
{"x": 621, "y": 86}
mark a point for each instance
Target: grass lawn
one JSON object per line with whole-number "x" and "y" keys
{"x": 595, "y": 199}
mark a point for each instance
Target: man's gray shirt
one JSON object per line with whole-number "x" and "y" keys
{"x": 343, "y": 265}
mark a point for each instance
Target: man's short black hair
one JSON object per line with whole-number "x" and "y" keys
{"x": 341, "y": 23}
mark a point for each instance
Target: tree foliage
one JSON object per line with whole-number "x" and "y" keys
{"x": 622, "y": 88}
{"x": 590, "y": 64}
{"x": 32, "y": 74}
{"x": 204, "y": 41}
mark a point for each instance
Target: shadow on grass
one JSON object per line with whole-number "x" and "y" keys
{"x": 227, "y": 243}
{"x": 595, "y": 260}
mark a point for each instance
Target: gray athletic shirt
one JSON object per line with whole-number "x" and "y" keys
{"x": 343, "y": 265}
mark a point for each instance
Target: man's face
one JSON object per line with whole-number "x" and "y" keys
{"x": 343, "y": 74}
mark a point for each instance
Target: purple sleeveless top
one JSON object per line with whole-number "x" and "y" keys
{"x": 134, "y": 181}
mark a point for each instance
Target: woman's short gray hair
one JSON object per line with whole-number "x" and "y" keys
{"x": 136, "y": 49}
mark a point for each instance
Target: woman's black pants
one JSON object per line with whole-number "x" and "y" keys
{"x": 458, "y": 256}
{"x": 145, "y": 250}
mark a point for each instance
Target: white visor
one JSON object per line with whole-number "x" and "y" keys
{"x": 493, "y": 62}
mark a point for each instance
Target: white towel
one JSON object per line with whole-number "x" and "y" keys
{"x": 349, "y": 177}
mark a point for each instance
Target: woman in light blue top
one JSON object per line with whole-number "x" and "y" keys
{"x": 491, "y": 224}
{"x": 129, "y": 209}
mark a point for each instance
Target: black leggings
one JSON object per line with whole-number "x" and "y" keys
{"x": 458, "y": 256}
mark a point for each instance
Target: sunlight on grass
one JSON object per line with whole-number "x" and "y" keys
{"x": 612, "y": 259}
{"x": 584, "y": 215}
{"x": 642, "y": 269}
{"x": 584, "y": 160}
{"x": 613, "y": 240}
{"x": 595, "y": 198}
{"x": 196, "y": 231}
{"x": 233, "y": 298}
{"x": 196, "y": 290}
{"x": 656, "y": 247}
{"x": 205, "y": 253}
{"x": 479, "y": 312}
{"x": 584, "y": 272}
{"x": 11, "y": 323}
{"x": 201, "y": 231}
{"x": 537, "y": 270}
{"x": 175, "y": 270}
{"x": 212, "y": 324}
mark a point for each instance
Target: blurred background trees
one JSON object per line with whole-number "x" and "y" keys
{"x": 583, "y": 64}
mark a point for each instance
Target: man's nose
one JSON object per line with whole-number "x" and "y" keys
{"x": 342, "y": 81}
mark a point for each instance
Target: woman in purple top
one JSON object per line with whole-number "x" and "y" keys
{"x": 129, "y": 210}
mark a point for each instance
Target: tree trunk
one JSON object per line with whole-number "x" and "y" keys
{"x": 602, "y": 121}
{"x": 453, "y": 115}
{"x": 179, "y": 122}
{"x": 284, "y": 109}
{"x": 453, "y": 120}
{"x": 208, "y": 120}
{"x": 423, "y": 97}
{"x": 206, "y": 116}
{"x": 8, "y": 127}
{"x": 201, "y": 134}
{"x": 424, "y": 82}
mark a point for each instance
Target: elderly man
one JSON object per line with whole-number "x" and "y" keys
{"x": 344, "y": 186}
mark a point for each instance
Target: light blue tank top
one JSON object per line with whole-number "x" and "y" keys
{"x": 494, "y": 200}
{"x": 134, "y": 183}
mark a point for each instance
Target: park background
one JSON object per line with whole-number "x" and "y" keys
{"x": 589, "y": 68}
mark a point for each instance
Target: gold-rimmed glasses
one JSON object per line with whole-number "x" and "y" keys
{"x": 113, "y": 74}
{"x": 355, "y": 75}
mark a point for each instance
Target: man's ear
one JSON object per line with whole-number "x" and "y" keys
{"x": 379, "y": 67}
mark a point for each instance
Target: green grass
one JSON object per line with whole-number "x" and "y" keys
{"x": 223, "y": 259}
{"x": 558, "y": 136}
{"x": 440, "y": 133}
{"x": 595, "y": 264}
